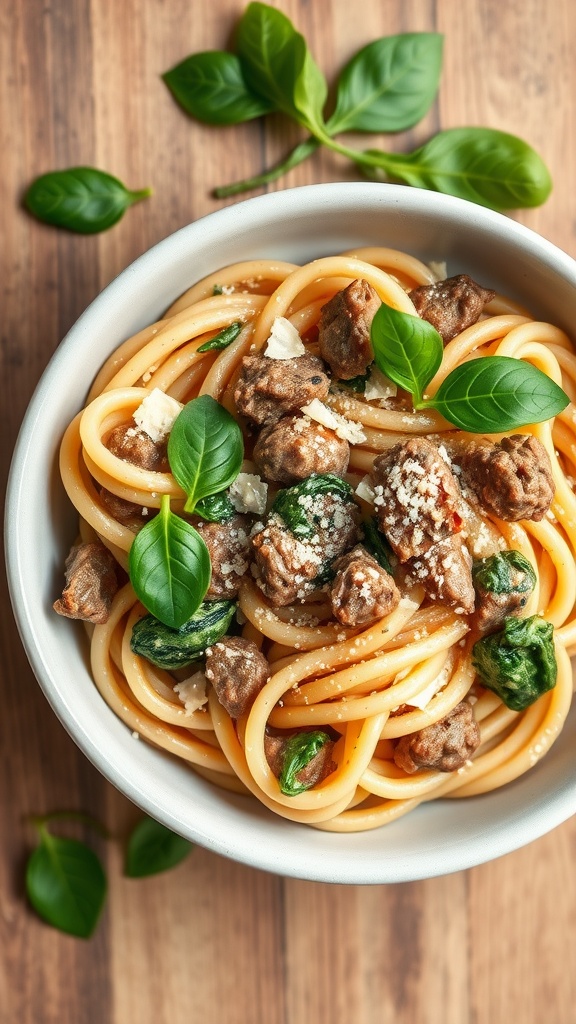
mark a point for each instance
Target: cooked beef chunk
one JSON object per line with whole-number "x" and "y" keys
{"x": 362, "y": 591}
{"x": 229, "y": 547}
{"x": 91, "y": 584}
{"x": 133, "y": 445}
{"x": 513, "y": 478}
{"x": 269, "y": 388}
{"x": 344, "y": 329}
{"x": 445, "y": 746}
{"x": 317, "y": 769}
{"x": 127, "y": 513}
{"x": 451, "y": 305}
{"x": 290, "y": 568}
{"x": 417, "y": 497}
{"x": 445, "y": 571}
{"x": 237, "y": 671}
{"x": 296, "y": 447}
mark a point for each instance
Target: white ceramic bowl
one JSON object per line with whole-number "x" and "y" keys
{"x": 295, "y": 225}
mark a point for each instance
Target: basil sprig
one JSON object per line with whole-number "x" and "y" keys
{"x": 82, "y": 199}
{"x": 169, "y": 563}
{"x": 153, "y": 848}
{"x": 388, "y": 86}
{"x": 205, "y": 449}
{"x": 486, "y": 395}
{"x": 223, "y": 339}
{"x": 169, "y": 567}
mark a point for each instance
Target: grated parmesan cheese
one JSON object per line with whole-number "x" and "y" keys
{"x": 249, "y": 493}
{"x": 284, "y": 341}
{"x": 342, "y": 427}
{"x": 192, "y": 692}
{"x": 422, "y": 699}
{"x": 365, "y": 490}
{"x": 378, "y": 386}
{"x": 438, "y": 268}
{"x": 156, "y": 414}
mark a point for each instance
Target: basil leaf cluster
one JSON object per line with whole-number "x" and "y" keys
{"x": 168, "y": 562}
{"x": 487, "y": 395}
{"x": 81, "y": 199}
{"x": 388, "y": 86}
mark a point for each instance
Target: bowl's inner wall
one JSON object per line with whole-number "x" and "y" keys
{"x": 296, "y": 225}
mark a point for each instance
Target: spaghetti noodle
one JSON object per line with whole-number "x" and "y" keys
{"x": 363, "y": 684}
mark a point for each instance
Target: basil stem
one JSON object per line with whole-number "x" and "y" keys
{"x": 81, "y": 199}
{"x": 300, "y": 153}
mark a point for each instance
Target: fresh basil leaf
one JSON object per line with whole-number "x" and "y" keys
{"x": 298, "y": 751}
{"x": 483, "y": 165}
{"x": 210, "y": 86}
{"x": 223, "y": 339}
{"x": 389, "y": 85}
{"x": 277, "y": 65}
{"x": 205, "y": 449}
{"x": 66, "y": 884}
{"x": 407, "y": 349}
{"x": 215, "y": 508}
{"x": 81, "y": 199}
{"x": 153, "y": 848}
{"x": 169, "y": 567}
{"x": 497, "y": 393}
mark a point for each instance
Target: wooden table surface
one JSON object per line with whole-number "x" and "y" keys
{"x": 212, "y": 941}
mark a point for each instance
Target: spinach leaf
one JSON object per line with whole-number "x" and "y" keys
{"x": 205, "y": 449}
{"x": 506, "y": 572}
{"x": 376, "y": 543}
{"x": 389, "y": 85}
{"x": 210, "y": 86}
{"x": 169, "y": 566}
{"x": 497, "y": 393}
{"x": 298, "y": 751}
{"x": 300, "y": 506}
{"x": 519, "y": 662}
{"x": 215, "y": 508}
{"x": 66, "y": 884}
{"x": 277, "y": 65}
{"x": 356, "y": 384}
{"x": 176, "y": 648}
{"x": 407, "y": 349}
{"x": 81, "y": 199}
{"x": 488, "y": 167}
{"x": 153, "y": 848}
{"x": 223, "y": 339}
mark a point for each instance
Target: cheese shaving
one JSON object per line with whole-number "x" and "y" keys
{"x": 284, "y": 341}
{"x": 343, "y": 428}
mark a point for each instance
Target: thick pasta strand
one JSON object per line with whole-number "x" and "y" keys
{"x": 368, "y": 686}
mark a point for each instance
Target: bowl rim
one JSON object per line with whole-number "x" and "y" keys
{"x": 529, "y": 824}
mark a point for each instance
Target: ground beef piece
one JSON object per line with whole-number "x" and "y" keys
{"x": 288, "y": 568}
{"x": 127, "y": 513}
{"x": 451, "y": 305}
{"x": 296, "y": 447}
{"x": 445, "y": 746}
{"x": 314, "y": 772}
{"x": 513, "y": 478}
{"x": 133, "y": 445}
{"x": 445, "y": 572}
{"x": 229, "y": 547}
{"x": 91, "y": 584}
{"x": 237, "y": 671}
{"x": 492, "y": 609}
{"x": 362, "y": 591}
{"x": 344, "y": 329}
{"x": 269, "y": 388}
{"x": 417, "y": 497}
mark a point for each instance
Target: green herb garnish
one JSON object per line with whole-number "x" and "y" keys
{"x": 205, "y": 449}
{"x": 82, "y": 199}
{"x": 519, "y": 662}
{"x": 223, "y": 339}
{"x": 153, "y": 848}
{"x": 487, "y": 395}
{"x": 388, "y": 86}
{"x": 299, "y": 750}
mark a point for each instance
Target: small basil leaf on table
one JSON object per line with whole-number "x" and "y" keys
{"x": 82, "y": 199}
{"x": 277, "y": 65}
{"x": 389, "y": 85}
{"x": 205, "y": 449}
{"x": 223, "y": 339}
{"x": 153, "y": 848}
{"x": 407, "y": 349}
{"x": 497, "y": 393}
{"x": 210, "y": 86}
{"x": 483, "y": 165}
{"x": 169, "y": 567}
{"x": 66, "y": 884}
